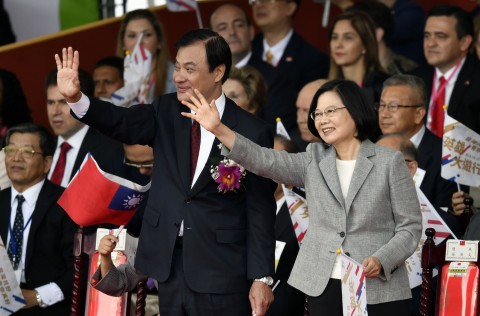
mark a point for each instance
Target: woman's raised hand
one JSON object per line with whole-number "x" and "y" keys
{"x": 206, "y": 114}
{"x": 67, "y": 76}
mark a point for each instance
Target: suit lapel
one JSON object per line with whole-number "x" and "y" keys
{"x": 229, "y": 119}
{"x": 461, "y": 86}
{"x": 183, "y": 135}
{"x": 328, "y": 167}
{"x": 42, "y": 206}
{"x": 5, "y": 211}
{"x": 88, "y": 143}
{"x": 361, "y": 171}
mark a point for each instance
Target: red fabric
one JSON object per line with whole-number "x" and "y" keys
{"x": 59, "y": 170}
{"x": 196, "y": 138}
{"x": 438, "y": 113}
{"x": 92, "y": 199}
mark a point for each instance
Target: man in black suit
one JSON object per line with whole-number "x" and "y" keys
{"x": 286, "y": 60}
{"x": 42, "y": 255}
{"x": 448, "y": 36}
{"x": 211, "y": 251}
{"x": 402, "y": 110}
{"x": 107, "y": 152}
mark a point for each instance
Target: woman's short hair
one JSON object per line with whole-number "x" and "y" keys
{"x": 254, "y": 85}
{"x": 365, "y": 27}
{"x": 356, "y": 103}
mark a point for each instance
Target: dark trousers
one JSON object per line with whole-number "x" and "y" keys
{"x": 175, "y": 298}
{"x": 330, "y": 303}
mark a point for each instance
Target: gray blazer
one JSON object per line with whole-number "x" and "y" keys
{"x": 380, "y": 217}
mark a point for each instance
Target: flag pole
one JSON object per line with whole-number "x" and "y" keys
{"x": 119, "y": 230}
{"x": 199, "y": 18}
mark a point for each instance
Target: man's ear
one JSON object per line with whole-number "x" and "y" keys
{"x": 292, "y": 8}
{"x": 419, "y": 115}
{"x": 465, "y": 43}
{"x": 219, "y": 71}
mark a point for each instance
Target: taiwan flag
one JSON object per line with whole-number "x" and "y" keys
{"x": 97, "y": 197}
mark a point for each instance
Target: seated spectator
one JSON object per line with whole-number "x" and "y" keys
{"x": 38, "y": 234}
{"x": 246, "y": 87}
{"x": 393, "y": 63}
{"x": 354, "y": 53}
{"x": 154, "y": 40}
{"x": 107, "y": 77}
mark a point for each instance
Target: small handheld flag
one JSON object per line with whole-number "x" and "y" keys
{"x": 96, "y": 197}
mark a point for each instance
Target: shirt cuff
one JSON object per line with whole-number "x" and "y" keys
{"x": 80, "y": 108}
{"x": 50, "y": 293}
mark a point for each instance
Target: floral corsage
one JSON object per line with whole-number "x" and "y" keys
{"x": 228, "y": 174}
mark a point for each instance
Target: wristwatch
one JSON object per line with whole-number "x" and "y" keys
{"x": 267, "y": 280}
{"x": 39, "y": 300}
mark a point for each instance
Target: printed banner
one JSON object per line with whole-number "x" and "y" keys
{"x": 11, "y": 299}
{"x": 354, "y": 289}
{"x": 460, "y": 153}
{"x": 182, "y": 5}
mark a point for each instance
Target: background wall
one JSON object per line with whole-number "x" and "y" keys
{"x": 32, "y": 60}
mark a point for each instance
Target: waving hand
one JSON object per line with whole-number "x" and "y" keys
{"x": 67, "y": 75}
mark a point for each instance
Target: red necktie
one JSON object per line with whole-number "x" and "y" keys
{"x": 438, "y": 113}
{"x": 59, "y": 170}
{"x": 195, "y": 146}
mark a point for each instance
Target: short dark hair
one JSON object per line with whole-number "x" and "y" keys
{"x": 411, "y": 81}
{"x": 464, "y": 24}
{"x": 86, "y": 82}
{"x": 289, "y": 145}
{"x": 380, "y": 14}
{"x": 352, "y": 96}
{"x": 47, "y": 141}
{"x": 216, "y": 48}
{"x": 111, "y": 61}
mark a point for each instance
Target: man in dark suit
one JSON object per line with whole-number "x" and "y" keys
{"x": 286, "y": 60}
{"x": 209, "y": 249}
{"x": 82, "y": 140}
{"x": 402, "y": 110}
{"x": 448, "y": 36}
{"x": 37, "y": 232}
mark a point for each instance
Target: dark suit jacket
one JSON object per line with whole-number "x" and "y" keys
{"x": 49, "y": 256}
{"x": 228, "y": 237}
{"x": 107, "y": 152}
{"x": 300, "y": 64}
{"x": 438, "y": 190}
{"x": 288, "y": 300}
{"x": 464, "y": 104}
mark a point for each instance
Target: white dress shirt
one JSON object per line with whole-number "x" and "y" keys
{"x": 417, "y": 138}
{"x": 277, "y": 49}
{"x": 75, "y": 141}
{"x": 244, "y": 61}
{"x": 50, "y": 293}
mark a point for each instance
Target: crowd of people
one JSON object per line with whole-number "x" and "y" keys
{"x": 361, "y": 121}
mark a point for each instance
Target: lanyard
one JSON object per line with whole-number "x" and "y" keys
{"x": 13, "y": 244}
{"x": 444, "y": 85}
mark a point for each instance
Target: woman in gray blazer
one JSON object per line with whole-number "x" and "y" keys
{"x": 361, "y": 198}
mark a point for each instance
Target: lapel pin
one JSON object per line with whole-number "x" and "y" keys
{"x": 467, "y": 83}
{"x": 289, "y": 59}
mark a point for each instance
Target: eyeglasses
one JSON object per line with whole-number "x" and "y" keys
{"x": 252, "y": 2}
{"x": 137, "y": 165}
{"x": 329, "y": 112}
{"x": 25, "y": 152}
{"x": 393, "y": 107}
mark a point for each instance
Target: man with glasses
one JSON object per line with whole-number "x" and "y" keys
{"x": 284, "y": 58}
{"x": 402, "y": 109}
{"x": 37, "y": 233}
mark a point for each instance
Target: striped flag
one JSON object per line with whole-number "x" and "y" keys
{"x": 354, "y": 288}
{"x": 460, "y": 153}
{"x": 297, "y": 206}
{"x": 430, "y": 219}
{"x": 97, "y": 197}
{"x": 182, "y": 5}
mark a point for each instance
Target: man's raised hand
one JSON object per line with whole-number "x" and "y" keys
{"x": 67, "y": 75}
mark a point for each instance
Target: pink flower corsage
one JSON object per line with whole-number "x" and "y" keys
{"x": 228, "y": 174}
